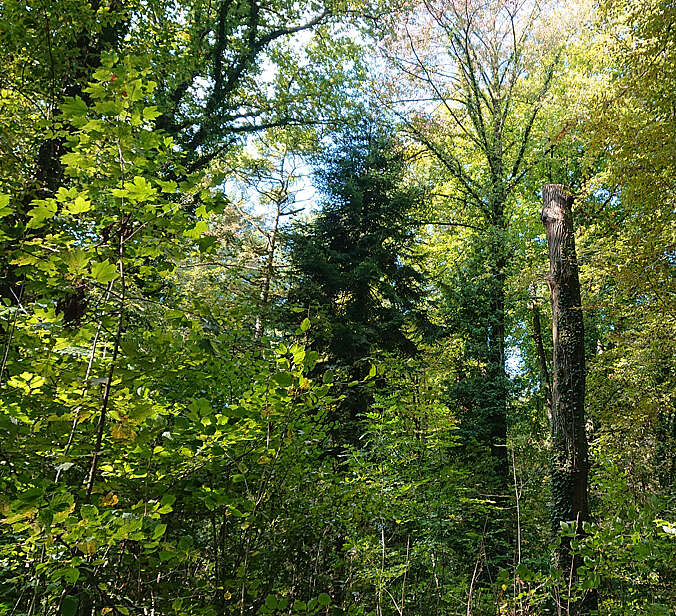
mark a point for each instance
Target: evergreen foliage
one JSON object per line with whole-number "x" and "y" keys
{"x": 354, "y": 261}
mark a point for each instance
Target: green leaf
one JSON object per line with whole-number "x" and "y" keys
{"x": 66, "y": 194}
{"x": 305, "y": 325}
{"x": 104, "y": 271}
{"x": 46, "y": 209}
{"x": 205, "y": 244}
{"x": 69, "y": 605}
{"x": 76, "y": 260}
{"x": 140, "y": 189}
{"x": 71, "y": 575}
{"x": 79, "y": 206}
{"x": 109, "y": 59}
{"x": 5, "y": 210}
{"x": 284, "y": 379}
{"x": 197, "y": 230}
{"x": 73, "y": 107}
{"x": 168, "y": 499}
{"x": 89, "y": 512}
{"x": 150, "y": 113}
{"x": 524, "y": 572}
{"x": 298, "y": 356}
{"x": 168, "y": 186}
{"x": 158, "y": 531}
{"x": 324, "y": 600}
{"x": 200, "y": 407}
{"x": 591, "y": 580}
{"x": 75, "y": 162}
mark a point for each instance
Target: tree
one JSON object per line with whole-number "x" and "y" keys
{"x": 171, "y": 447}
{"x": 473, "y": 65}
{"x": 627, "y": 239}
{"x": 570, "y": 464}
{"x": 269, "y": 184}
{"x": 354, "y": 262}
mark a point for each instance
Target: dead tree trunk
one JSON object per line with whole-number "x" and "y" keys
{"x": 570, "y": 463}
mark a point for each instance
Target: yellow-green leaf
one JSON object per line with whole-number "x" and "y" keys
{"x": 5, "y": 210}
{"x": 104, "y": 271}
{"x": 79, "y": 206}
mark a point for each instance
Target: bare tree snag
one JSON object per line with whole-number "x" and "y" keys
{"x": 570, "y": 466}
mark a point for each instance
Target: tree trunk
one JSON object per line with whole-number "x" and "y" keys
{"x": 545, "y": 382}
{"x": 496, "y": 415}
{"x": 498, "y": 544}
{"x": 570, "y": 464}
{"x": 268, "y": 272}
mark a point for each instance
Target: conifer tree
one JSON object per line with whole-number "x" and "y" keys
{"x": 354, "y": 262}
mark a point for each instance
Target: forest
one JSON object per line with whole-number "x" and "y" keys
{"x": 337, "y": 307}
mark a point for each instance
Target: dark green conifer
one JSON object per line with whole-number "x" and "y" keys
{"x": 354, "y": 261}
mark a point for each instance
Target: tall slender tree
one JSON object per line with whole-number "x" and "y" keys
{"x": 355, "y": 274}
{"x": 570, "y": 463}
{"x": 472, "y": 64}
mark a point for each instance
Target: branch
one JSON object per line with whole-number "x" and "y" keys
{"x": 448, "y": 224}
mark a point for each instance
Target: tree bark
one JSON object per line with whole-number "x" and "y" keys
{"x": 570, "y": 463}
{"x": 545, "y": 382}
